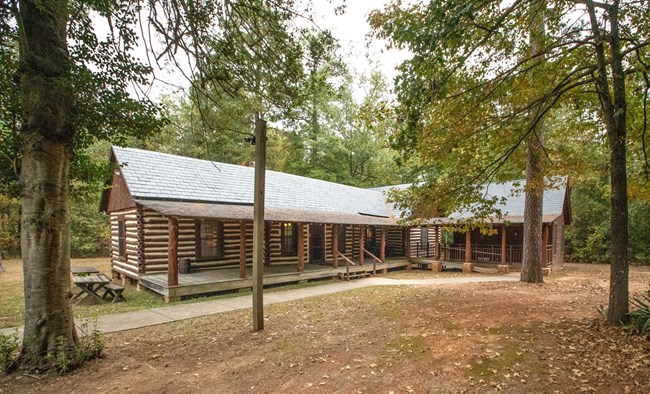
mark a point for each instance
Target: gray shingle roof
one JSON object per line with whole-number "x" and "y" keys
{"x": 513, "y": 206}
{"x": 164, "y": 177}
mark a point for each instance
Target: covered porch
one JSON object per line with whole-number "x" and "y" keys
{"x": 293, "y": 251}
{"x": 218, "y": 280}
{"x": 503, "y": 248}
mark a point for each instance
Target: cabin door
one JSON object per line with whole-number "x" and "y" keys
{"x": 317, "y": 243}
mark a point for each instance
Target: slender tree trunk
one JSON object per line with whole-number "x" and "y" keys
{"x": 614, "y": 109}
{"x": 531, "y": 267}
{"x": 46, "y": 135}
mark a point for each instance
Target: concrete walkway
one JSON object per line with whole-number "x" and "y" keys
{"x": 166, "y": 314}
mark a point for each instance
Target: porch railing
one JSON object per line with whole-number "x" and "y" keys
{"x": 348, "y": 262}
{"x": 375, "y": 259}
{"x": 424, "y": 250}
{"x": 482, "y": 253}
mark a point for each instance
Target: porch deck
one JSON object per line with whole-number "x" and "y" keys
{"x": 226, "y": 279}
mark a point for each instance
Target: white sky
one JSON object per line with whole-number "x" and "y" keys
{"x": 350, "y": 29}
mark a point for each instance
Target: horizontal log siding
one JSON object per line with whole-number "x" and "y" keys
{"x": 276, "y": 248}
{"x": 394, "y": 241}
{"x": 558, "y": 237}
{"x": 415, "y": 235}
{"x": 130, "y": 264}
{"x": 156, "y": 238}
{"x": 349, "y": 242}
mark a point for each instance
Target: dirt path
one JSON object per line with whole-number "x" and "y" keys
{"x": 483, "y": 337}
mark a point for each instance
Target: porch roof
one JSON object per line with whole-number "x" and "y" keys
{"x": 555, "y": 204}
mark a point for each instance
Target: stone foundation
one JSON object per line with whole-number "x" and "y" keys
{"x": 503, "y": 268}
{"x": 436, "y": 266}
{"x": 468, "y": 267}
{"x": 546, "y": 272}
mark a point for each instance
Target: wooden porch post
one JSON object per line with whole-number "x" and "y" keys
{"x": 467, "y": 267}
{"x": 544, "y": 246}
{"x": 267, "y": 243}
{"x": 301, "y": 247}
{"x": 382, "y": 252}
{"x": 436, "y": 240}
{"x": 407, "y": 233}
{"x": 335, "y": 246}
{"x": 503, "y": 267}
{"x": 260, "y": 241}
{"x": 362, "y": 241}
{"x": 242, "y": 249}
{"x": 436, "y": 264}
{"x": 172, "y": 252}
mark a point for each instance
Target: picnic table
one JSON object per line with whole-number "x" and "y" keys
{"x": 90, "y": 285}
{"x": 83, "y": 271}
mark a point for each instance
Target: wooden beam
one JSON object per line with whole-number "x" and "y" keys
{"x": 436, "y": 240}
{"x": 242, "y": 250}
{"x": 172, "y": 252}
{"x": 468, "y": 246}
{"x": 335, "y": 245}
{"x": 503, "y": 244}
{"x": 362, "y": 241}
{"x": 258, "y": 224}
{"x": 382, "y": 251}
{"x": 301, "y": 247}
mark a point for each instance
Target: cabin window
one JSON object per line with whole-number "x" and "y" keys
{"x": 121, "y": 237}
{"x": 371, "y": 237}
{"x": 210, "y": 239}
{"x": 288, "y": 239}
{"x": 342, "y": 240}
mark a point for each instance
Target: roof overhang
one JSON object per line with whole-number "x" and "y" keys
{"x": 512, "y": 219}
{"x": 207, "y": 210}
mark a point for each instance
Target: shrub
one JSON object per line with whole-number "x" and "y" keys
{"x": 640, "y": 316}
{"x": 9, "y": 352}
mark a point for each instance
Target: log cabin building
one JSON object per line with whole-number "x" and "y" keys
{"x": 504, "y": 246}
{"x": 200, "y": 213}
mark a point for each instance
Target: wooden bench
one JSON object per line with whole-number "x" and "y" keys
{"x": 114, "y": 292}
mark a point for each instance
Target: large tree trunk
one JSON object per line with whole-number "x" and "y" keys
{"x": 614, "y": 109}
{"x": 46, "y": 135}
{"x": 531, "y": 267}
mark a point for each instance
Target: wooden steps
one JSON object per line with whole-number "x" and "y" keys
{"x": 354, "y": 275}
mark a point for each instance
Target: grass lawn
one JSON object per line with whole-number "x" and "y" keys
{"x": 12, "y": 300}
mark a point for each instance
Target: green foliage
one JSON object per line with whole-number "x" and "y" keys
{"x": 61, "y": 358}
{"x": 472, "y": 93}
{"x": 9, "y": 226}
{"x": 9, "y": 352}
{"x": 90, "y": 347}
{"x": 640, "y": 315}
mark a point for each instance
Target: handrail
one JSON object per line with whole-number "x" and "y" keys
{"x": 347, "y": 264}
{"x": 374, "y": 261}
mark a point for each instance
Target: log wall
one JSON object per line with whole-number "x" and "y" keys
{"x": 558, "y": 243}
{"x": 351, "y": 242}
{"x": 131, "y": 263}
{"x": 415, "y": 237}
{"x": 395, "y": 242}
{"x": 275, "y": 247}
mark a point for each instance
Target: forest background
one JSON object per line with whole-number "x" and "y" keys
{"x": 328, "y": 122}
